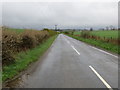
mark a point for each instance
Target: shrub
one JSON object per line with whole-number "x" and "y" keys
{"x": 28, "y": 40}
{"x": 14, "y": 43}
{"x": 85, "y": 34}
{"x": 9, "y": 46}
{"x": 66, "y": 32}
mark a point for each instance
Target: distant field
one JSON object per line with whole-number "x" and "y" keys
{"x": 108, "y": 34}
{"x": 16, "y": 30}
{"x": 77, "y": 32}
{"x": 112, "y": 33}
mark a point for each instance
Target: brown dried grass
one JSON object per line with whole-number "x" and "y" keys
{"x": 13, "y": 42}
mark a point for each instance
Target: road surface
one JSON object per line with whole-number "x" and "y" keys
{"x": 73, "y": 64}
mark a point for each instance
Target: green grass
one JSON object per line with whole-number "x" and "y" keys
{"x": 77, "y": 32}
{"x": 105, "y": 33}
{"x": 23, "y": 59}
{"x": 100, "y": 44}
{"x": 16, "y": 30}
{"x": 0, "y": 78}
{"x": 108, "y": 34}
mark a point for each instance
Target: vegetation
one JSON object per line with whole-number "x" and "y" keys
{"x": 77, "y": 32}
{"x": 106, "y": 33}
{"x": 21, "y": 47}
{"x": 13, "y": 43}
{"x": 102, "y": 33}
{"x": 23, "y": 59}
{"x": 98, "y": 43}
{"x": 107, "y": 40}
{"x": 13, "y": 29}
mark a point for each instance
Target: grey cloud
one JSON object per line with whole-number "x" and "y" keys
{"x": 65, "y": 14}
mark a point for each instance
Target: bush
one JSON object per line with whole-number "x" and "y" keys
{"x": 14, "y": 43}
{"x": 28, "y": 40}
{"x": 9, "y": 46}
{"x": 66, "y": 32}
{"x": 85, "y": 34}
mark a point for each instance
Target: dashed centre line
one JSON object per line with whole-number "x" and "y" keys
{"x": 72, "y": 46}
{"x": 67, "y": 40}
{"x": 96, "y": 73}
{"x": 75, "y": 50}
{"x": 100, "y": 77}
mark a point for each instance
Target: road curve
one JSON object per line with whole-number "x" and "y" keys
{"x": 73, "y": 64}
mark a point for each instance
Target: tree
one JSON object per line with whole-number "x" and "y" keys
{"x": 91, "y": 29}
{"x": 46, "y": 29}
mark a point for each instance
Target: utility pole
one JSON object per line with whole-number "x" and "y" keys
{"x": 55, "y": 27}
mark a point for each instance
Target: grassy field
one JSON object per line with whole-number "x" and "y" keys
{"x": 77, "y": 32}
{"x": 23, "y": 59}
{"x": 105, "y": 33}
{"x": 16, "y": 30}
{"x": 100, "y": 44}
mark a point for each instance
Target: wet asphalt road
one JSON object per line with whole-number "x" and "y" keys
{"x": 68, "y": 65}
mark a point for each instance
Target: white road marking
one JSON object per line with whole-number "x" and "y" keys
{"x": 75, "y": 49}
{"x": 98, "y": 49}
{"x": 105, "y": 83}
{"x": 66, "y": 40}
{"x": 105, "y": 52}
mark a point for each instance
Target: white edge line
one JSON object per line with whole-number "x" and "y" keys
{"x": 105, "y": 52}
{"x": 75, "y": 49}
{"x": 105, "y": 83}
{"x": 102, "y": 50}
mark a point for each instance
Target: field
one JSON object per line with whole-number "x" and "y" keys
{"x": 16, "y": 30}
{"x": 101, "y": 33}
{"x": 107, "y": 40}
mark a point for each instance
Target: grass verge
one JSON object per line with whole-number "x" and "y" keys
{"x": 100, "y": 44}
{"x": 23, "y": 59}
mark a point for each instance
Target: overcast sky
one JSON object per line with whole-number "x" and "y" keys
{"x": 76, "y": 15}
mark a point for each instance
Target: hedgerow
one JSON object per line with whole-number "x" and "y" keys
{"x": 13, "y": 42}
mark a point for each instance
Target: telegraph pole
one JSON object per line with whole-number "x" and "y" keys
{"x": 55, "y": 27}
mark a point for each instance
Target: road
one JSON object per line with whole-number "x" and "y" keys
{"x": 73, "y": 64}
